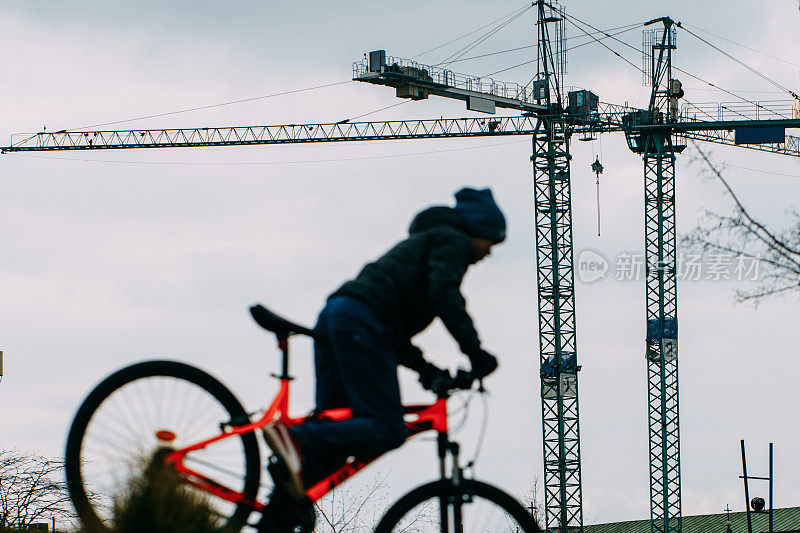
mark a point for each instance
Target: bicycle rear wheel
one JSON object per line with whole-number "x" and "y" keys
{"x": 471, "y": 507}
{"x": 133, "y": 415}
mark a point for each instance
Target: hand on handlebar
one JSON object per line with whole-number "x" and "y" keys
{"x": 483, "y": 363}
{"x": 441, "y": 382}
{"x": 431, "y": 376}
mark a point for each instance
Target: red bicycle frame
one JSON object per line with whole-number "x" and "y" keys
{"x": 418, "y": 418}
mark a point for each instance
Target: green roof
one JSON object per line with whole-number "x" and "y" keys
{"x": 785, "y": 520}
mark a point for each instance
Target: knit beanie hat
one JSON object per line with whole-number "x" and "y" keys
{"x": 482, "y": 216}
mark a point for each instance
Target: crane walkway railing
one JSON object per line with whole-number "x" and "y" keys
{"x": 790, "y": 147}
{"x": 445, "y": 77}
{"x": 727, "y": 111}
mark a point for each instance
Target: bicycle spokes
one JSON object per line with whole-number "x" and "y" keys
{"x": 144, "y": 415}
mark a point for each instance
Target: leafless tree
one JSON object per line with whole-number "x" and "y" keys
{"x": 356, "y": 510}
{"x": 739, "y": 233}
{"x": 352, "y": 509}
{"x": 531, "y": 500}
{"x": 31, "y": 490}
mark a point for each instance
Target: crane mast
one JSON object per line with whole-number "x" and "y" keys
{"x": 658, "y": 153}
{"x": 558, "y": 353}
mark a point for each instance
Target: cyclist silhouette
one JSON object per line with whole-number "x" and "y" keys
{"x": 364, "y": 332}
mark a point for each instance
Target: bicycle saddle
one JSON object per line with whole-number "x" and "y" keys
{"x": 276, "y": 324}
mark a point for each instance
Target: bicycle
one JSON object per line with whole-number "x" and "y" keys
{"x": 190, "y": 420}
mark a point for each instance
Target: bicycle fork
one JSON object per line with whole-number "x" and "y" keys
{"x": 452, "y": 497}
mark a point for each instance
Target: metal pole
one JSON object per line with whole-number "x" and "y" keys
{"x": 746, "y": 490}
{"x": 770, "y": 487}
{"x": 598, "y": 204}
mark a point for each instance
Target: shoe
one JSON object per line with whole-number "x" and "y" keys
{"x": 284, "y": 515}
{"x": 287, "y": 462}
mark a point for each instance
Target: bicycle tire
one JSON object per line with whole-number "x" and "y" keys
{"x": 507, "y": 514}
{"x": 104, "y": 401}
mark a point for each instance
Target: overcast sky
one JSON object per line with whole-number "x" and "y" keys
{"x": 107, "y": 258}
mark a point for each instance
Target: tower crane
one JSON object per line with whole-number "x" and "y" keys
{"x": 550, "y": 116}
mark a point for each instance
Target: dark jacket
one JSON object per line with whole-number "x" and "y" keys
{"x": 418, "y": 280}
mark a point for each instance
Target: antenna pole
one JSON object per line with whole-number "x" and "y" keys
{"x": 770, "y": 487}
{"x": 746, "y": 489}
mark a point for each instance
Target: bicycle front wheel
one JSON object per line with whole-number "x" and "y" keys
{"x": 136, "y": 414}
{"x": 471, "y": 507}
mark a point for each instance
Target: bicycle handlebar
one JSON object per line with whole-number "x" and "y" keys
{"x": 446, "y": 383}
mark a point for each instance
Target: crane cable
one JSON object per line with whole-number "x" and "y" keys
{"x": 373, "y": 112}
{"x": 742, "y": 98}
{"x": 674, "y": 67}
{"x": 743, "y": 46}
{"x": 745, "y": 65}
{"x": 213, "y": 105}
{"x": 480, "y": 40}
{"x": 565, "y": 50}
{"x": 574, "y": 20}
{"x": 460, "y": 53}
{"x": 606, "y": 35}
{"x": 348, "y": 159}
{"x": 628, "y": 28}
{"x": 470, "y": 33}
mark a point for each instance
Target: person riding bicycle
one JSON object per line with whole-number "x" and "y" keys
{"x": 364, "y": 332}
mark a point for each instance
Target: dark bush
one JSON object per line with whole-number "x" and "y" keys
{"x": 158, "y": 502}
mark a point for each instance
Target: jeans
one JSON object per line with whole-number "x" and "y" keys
{"x": 356, "y": 367}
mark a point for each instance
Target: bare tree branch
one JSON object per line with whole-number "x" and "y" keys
{"x": 741, "y": 234}
{"x": 31, "y": 490}
{"x": 742, "y": 296}
{"x": 349, "y": 510}
{"x": 741, "y": 209}
{"x": 532, "y": 500}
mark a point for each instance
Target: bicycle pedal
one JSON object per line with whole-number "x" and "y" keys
{"x": 460, "y": 498}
